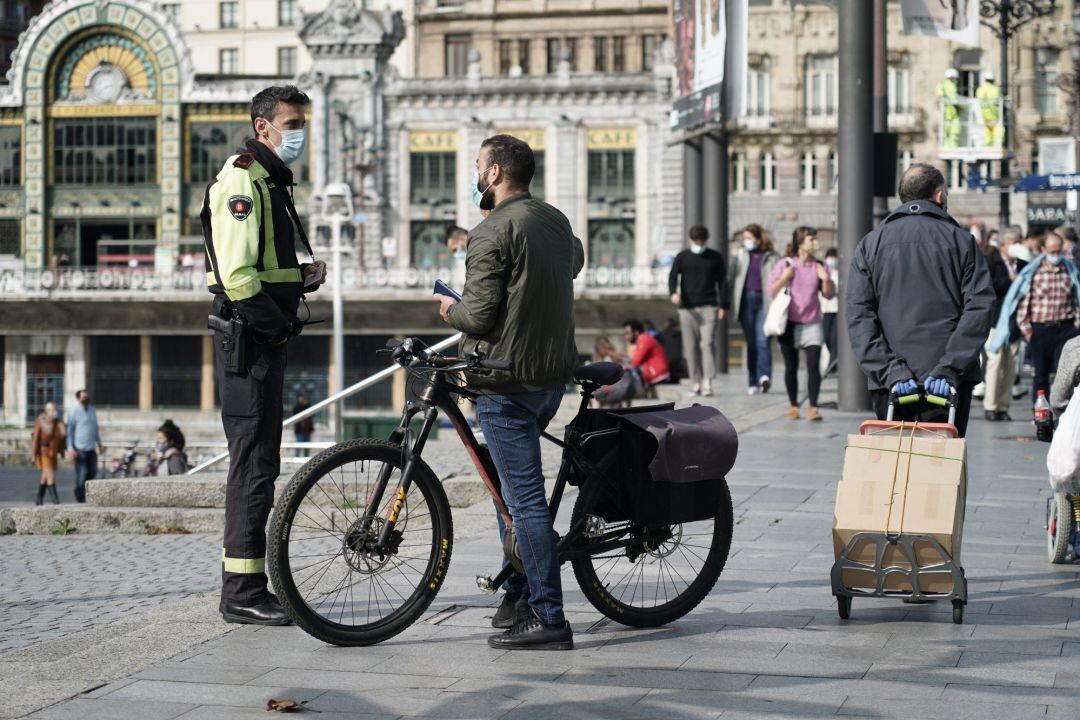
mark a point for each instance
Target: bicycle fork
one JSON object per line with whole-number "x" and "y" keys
{"x": 382, "y": 544}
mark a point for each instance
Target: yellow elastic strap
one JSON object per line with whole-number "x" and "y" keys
{"x": 243, "y": 566}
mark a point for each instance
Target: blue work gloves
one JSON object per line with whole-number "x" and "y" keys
{"x": 907, "y": 387}
{"x": 937, "y": 386}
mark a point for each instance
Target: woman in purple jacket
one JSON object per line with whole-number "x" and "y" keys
{"x": 804, "y": 277}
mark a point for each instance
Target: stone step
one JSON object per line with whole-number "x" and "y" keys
{"x": 91, "y": 520}
{"x": 208, "y": 491}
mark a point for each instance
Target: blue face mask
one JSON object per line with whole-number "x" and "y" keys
{"x": 1055, "y": 259}
{"x": 292, "y": 144}
{"x": 459, "y": 255}
{"x": 474, "y": 190}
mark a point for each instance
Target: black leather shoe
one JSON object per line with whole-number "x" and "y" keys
{"x": 267, "y": 612}
{"x": 508, "y": 612}
{"x": 991, "y": 416}
{"x": 1003, "y": 416}
{"x": 530, "y": 633}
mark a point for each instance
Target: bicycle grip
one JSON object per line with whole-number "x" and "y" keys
{"x": 497, "y": 364}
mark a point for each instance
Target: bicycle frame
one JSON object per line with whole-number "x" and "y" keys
{"x": 440, "y": 395}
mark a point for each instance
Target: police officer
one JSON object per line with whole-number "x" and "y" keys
{"x": 251, "y": 229}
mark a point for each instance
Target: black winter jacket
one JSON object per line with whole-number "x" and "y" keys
{"x": 918, "y": 299}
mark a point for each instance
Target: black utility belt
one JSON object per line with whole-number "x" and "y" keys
{"x": 1056, "y": 324}
{"x": 233, "y": 335}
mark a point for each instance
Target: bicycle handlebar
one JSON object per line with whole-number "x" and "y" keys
{"x": 412, "y": 350}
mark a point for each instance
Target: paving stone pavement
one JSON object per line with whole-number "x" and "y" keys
{"x": 54, "y": 586}
{"x": 766, "y": 643}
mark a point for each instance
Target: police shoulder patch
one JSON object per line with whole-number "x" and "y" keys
{"x": 244, "y": 160}
{"x": 240, "y": 206}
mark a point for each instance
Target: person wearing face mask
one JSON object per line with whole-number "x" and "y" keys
{"x": 698, "y": 286}
{"x": 751, "y": 265}
{"x": 830, "y": 307}
{"x": 1044, "y": 299}
{"x": 457, "y": 239}
{"x": 919, "y": 302}
{"x": 46, "y": 448}
{"x": 806, "y": 279}
{"x": 252, "y": 232}
{"x": 172, "y": 460}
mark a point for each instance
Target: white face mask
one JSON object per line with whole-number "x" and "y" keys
{"x": 459, "y": 255}
{"x": 292, "y": 144}
{"x": 696, "y": 248}
{"x": 749, "y": 245}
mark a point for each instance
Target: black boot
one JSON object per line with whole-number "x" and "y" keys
{"x": 40, "y": 494}
{"x": 52, "y": 495}
{"x": 265, "y": 612}
{"x": 509, "y": 611}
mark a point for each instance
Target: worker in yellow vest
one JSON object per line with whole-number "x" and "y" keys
{"x": 950, "y": 113}
{"x": 989, "y": 96}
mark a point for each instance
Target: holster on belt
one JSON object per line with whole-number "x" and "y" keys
{"x": 232, "y": 333}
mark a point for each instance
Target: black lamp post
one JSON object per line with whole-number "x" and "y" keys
{"x": 1005, "y": 18}
{"x": 1069, "y": 83}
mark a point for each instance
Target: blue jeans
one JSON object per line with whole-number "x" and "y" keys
{"x": 512, "y": 425}
{"x": 85, "y": 469}
{"x": 758, "y": 344}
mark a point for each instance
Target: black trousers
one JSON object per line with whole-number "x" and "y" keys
{"x": 251, "y": 414}
{"x": 1047, "y": 339}
{"x": 927, "y": 413}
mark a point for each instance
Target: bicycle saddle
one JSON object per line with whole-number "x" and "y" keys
{"x": 599, "y": 373}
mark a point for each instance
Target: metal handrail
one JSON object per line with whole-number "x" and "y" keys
{"x": 335, "y": 398}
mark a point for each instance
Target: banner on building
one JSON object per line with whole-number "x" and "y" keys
{"x": 710, "y": 61}
{"x": 956, "y": 20}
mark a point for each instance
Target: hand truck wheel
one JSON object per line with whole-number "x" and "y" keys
{"x": 843, "y": 606}
{"x": 958, "y": 611}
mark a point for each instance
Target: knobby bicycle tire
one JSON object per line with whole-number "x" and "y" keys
{"x": 285, "y": 520}
{"x": 603, "y": 597}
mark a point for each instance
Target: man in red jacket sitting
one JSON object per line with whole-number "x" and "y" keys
{"x": 648, "y": 366}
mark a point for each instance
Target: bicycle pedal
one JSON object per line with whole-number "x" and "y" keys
{"x": 486, "y": 584}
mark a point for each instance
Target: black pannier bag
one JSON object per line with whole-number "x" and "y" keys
{"x": 660, "y": 465}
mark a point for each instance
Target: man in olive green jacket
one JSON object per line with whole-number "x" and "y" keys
{"x": 518, "y": 305}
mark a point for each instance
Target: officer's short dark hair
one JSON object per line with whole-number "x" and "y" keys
{"x": 514, "y": 156}
{"x": 635, "y": 326}
{"x": 699, "y": 232}
{"x": 920, "y": 182}
{"x": 454, "y": 231}
{"x": 265, "y": 103}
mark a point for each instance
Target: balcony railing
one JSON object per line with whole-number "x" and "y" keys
{"x": 971, "y": 129}
{"x": 71, "y": 281}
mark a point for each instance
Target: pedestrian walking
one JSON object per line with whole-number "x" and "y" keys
{"x": 807, "y": 280}
{"x": 251, "y": 230}
{"x": 169, "y": 444}
{"x": 1072, "y": 246}
{"x": 999, "y": 368}
{"x": 83, "y": 442}
{"x": 919, "y": 300}
{"x": 698, "y": 286}
{"x": 46, "y": 447}
{"x": 304, "y": 429}
{"x": 647, "y": 366}
{"x": 518, "y": 306}
{"x": 830, "y": 307}
{"x": 751, "y": 267}
{"x": 1044, "y": 299}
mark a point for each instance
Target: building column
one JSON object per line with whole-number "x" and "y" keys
{"x": 715, "y": 213}
{"x": 206, "y": 382}
{"x": 146, "y": 376}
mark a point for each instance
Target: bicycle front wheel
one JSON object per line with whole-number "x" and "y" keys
{"x": 330, "y": 576}
{"x": 653, "y": 575}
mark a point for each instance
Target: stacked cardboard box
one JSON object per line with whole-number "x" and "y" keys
{"x": 901, "y": 481}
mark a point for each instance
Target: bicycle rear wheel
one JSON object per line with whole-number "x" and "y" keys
{"x": 323, "y": 562}
{"x": 661, "y": 573}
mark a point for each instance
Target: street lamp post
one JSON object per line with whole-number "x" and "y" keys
{"x": 337, "y": 208}
{"x": 1069, "y": 83}
{"x": 1005, "y": 18}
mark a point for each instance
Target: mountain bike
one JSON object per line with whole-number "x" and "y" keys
{"x": 361, "y": 538}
